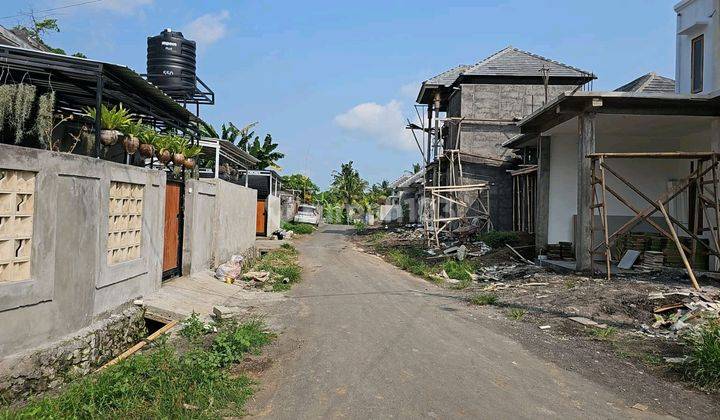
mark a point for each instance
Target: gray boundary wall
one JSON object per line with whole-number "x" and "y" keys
{"x": 71, "y": 283}
{"x": 219, "y": 222}
{"x": 274, "y": 216}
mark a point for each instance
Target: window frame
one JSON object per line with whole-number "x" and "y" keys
{"x": 700, "y": 38}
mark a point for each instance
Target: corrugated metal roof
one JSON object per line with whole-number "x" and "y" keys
{"x": 649, "y": 83}
{"x": 514, "y": 62}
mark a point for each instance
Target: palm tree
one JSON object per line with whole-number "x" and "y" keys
{"x": 230, "y": 132}
{"x": 349, "y": 186}
{"x": 301, "y": 183}
{"x": 265, "y": 152}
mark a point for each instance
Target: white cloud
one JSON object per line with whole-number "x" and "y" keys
{"x": 410, "y": 90}
{"x": 208, "y": 28}
{"x": 384, "y": 124}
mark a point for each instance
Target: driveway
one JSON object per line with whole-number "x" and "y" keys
{"x": 366, "y": 340}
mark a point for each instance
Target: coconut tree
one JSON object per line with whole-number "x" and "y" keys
{"x": 349, "y": 186}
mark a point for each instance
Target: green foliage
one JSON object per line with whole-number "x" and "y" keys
{"x": 265, "y": 152}
{"x": 483, "y": 299}
{"x": 516, "y": 314}
{"x": 302, "y": 183}
{"x": 281, "y": 263}
{"x": 497, "y": 239}
{"x": 359, "y": 226}
{"x": 147, "y": 135}
{"x": 160, "y": 383}
{"x": 115, "y": 118}
{"x": 298, "y": 228}
{"x": 703, "y": 364}
{"x": 604, "y": 333}
{"x": 410, "y": 259}
{"x": 193, "y": 327}
{"x": 234, "y": 340}
{"x": 459, "y": 270}
{"x": 348, "y": 184}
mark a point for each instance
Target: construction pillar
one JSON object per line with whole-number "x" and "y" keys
{"x": 583, "y": 232}
{"x": 542, "y": 193}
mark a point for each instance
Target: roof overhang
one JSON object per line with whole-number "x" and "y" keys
{"x": 569, "y": 105}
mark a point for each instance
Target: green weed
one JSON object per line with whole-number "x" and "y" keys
{"x": 193, "y": 327}
{"x": 517, "y": 314}
{"x": 281, "y": 263}
{"x": 298, "y": 228}
{"x": 359, "y": 226}
{"x": 497, "y": 239}
{"x": 604, "y": 333}
{"x": 459, "y": 270}
{"x": 703, "y": 364}
{"x": 483, "y": 299}
{"x": 159, "y": 384}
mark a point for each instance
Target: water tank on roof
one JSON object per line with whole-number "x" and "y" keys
{"x": 171, "y": 63}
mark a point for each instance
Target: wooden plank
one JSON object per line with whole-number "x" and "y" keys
{"x": 586, "y": 147}
{"x": 690, "y": 272}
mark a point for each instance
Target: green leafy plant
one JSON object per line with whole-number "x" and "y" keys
{"x": 604, "y": 333}
{"x": 360, "y": 226}
{"x": 115, "y": 118}
{"x": 193, "y": 327}
{"x": 234, "y": 340}
{"x": 483, "y": 299}
{"x": 459, "y": 270}
{"x": 298, "y": 228}
{"x": 517, "y": 314}
{"x": 702, "y": 367}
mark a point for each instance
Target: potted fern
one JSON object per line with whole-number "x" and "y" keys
{"x": 163, "y": 143}
{"x": 131, "y": 141}
{"x": 147, "y": 137}
{"x": 190, "y": 154}
{"x": 178, "y": 148}
{"x": 112, "y": 120}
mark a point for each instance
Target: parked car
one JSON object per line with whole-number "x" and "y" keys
{"x": 307, "y": 214}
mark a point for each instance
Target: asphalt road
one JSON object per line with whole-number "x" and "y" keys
{"x": 367, "y": 340}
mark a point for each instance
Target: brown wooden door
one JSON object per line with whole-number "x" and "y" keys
{"x": 260, "y": 221}
{"x": 172, "y": 226}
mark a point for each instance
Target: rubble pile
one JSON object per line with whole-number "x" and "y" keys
{"x": 682, "y": 311}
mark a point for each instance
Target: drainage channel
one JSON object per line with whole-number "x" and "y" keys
{"x": 156, "y": 326}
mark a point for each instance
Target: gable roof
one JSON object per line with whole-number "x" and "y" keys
{"x": 511, "y": 61}
{"x": 649, "y": 83}
{"x": 442, "y": 80}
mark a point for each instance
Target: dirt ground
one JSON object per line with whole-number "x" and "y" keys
{"x": 628, "y": 355}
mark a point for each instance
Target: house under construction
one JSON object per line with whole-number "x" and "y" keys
{"x": 468, "y": 112}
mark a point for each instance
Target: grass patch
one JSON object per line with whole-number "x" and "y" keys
{"x": 459, "y": 270}
{"x": 410, "y": 259}
{"x": 281, "y": 263}
{"x": 603, "y": 333}
{"x": 703, "y": 364}
{"x": 483, "y": 299}
{"x": 161, "y": 383}
{"x": 298, "y": 228}
{"x": 517, "y": 314}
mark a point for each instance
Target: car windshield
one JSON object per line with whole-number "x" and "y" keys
{"x": 306, "y": 209}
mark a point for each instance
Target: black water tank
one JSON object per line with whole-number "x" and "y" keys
{"x": 171, "y": 63}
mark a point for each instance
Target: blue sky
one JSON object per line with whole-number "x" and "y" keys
{"x": 333, "y": 80}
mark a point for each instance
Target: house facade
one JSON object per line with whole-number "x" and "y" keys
{"x": 481, "y": 104}
{"x": 697, "y": 46}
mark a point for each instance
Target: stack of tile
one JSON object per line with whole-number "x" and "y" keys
{"x": 652, "y": 260}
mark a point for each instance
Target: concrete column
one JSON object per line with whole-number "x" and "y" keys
{"x": 542, "y": 206}
{"x": 583, "y": 234}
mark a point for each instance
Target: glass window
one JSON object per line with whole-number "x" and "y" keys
{"x": 698, "y": 47}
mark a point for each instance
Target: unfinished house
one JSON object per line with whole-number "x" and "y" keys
{"x": 471, "y": 111}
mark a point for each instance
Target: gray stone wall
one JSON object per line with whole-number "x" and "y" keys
{"x": 55, "y": 363}
{"x": 505, "y": 101}
{"x": 71, "y": 281}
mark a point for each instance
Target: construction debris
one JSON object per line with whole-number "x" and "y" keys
{"x": 587, "y": 322}
{"x": 683, "y": 311}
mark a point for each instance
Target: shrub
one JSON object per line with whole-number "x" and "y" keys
{"x": 483, "y": 299}
{"x": 299, "y": 228}
{"x": 497, "y": 239}
{"x": 360, "y": 226}
{"x": 703, "y": 364}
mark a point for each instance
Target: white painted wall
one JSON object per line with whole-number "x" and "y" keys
{"x": 696, "y": 17}
{"x": 651, "y": 176}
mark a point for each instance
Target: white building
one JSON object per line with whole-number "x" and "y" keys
{"x": 697, "y": 46}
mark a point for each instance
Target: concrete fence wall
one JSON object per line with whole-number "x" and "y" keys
{"x": 79, "y": 237}
{"x": 219, "y": 222}
{"x": 273, "y": 214}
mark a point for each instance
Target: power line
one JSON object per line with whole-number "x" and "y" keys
{"x": 67, "y": 6}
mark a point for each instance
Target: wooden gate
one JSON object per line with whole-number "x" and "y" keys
{"x": 260, "y": 224}
{"x": 173, "y": 232}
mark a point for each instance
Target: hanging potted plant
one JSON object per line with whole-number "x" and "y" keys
{"x": 162, "y": 145}
{"x": 112, "y": 120}
{"x": 131, "y": 141}
{"x": 147, "y": 137}
{"x": 179, "y": 144}
{"x": 190, "y": 154}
